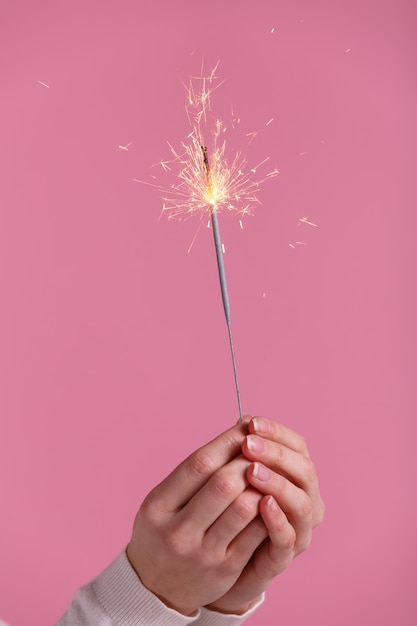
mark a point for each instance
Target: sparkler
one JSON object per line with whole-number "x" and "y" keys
{"x": 203, "y": 186}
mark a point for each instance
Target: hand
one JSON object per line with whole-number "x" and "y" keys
{"x": 195, "y": 532}
{"x": 291, "y": 507}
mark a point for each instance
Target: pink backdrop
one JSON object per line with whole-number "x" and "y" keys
{"x": 114, "y": 359}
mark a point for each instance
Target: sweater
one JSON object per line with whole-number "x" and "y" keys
{"x": 118, "y": 598}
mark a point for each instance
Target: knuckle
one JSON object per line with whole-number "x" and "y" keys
{"x": 285, "y": 532}
{"x": 224, "y": 484}
{"x": 306, "y": 509}
{"x": 290, "y": 539}
{"x": 150, "y": 510}
{"x": 279, "y": 431}
{"x": 202, "y": 464}
{"x": 281, "y": 523}
{"x": 309, "y": 471}
{"x": 303, "y": 444}
{"x": 279, "y": 454}
{"x": 245, "y": 508}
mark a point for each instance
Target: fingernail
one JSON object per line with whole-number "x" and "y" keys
{"x": 261, "y": 472}
{"x": 255, "y": 444}
{"x": 272, "y": 504}
{"x": 261, "y": 425}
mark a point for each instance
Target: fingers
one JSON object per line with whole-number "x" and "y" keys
{"x": 282, "y": 536}
{"x": 186, "y": 480}
{"x": 217, "y": 495}
{"x": 235, "y": 519}
{"x": 291, "y": 464}
{"x": 247, "y": 542}
{"x": 280, "y": 434}
{"x": 294, "y": 502}
{"x": 285, "y": 452}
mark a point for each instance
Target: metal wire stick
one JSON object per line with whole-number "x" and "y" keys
{"x": 225, "y": 297}
{"x": 222, "y": 275}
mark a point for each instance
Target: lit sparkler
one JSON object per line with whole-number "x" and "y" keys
{"x": 203, "y": 186}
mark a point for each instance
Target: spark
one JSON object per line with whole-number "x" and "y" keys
{"x": 44, "y": 84}
{"x": 126, "y": 147}
{"x": 253, "y": 169}
{"x": 194, "y": 239}
{"x": 269, "y": 121}
{"x": 272, "y": 174}
{"x": 304, "y": 220}
{"x": 232, "y": 184}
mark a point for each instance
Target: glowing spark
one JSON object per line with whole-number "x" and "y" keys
{"x": 304, "y": 220}
{"x": 300, "y": 243}
{"x": 272, "y": 174}
{"x": 241, "y": 224}
{"x": 232, "y": 186}
{"x": 348, "y": 49}
{"x": 126, "y": 147}
{"x": 253, "y": 170}
{"x": 291, "y": 245}
{"x": 302, "y": 153}
{"x": 269, "y": 122}
{"x": 44, "y": 84}
{"x": 194, "y": 238}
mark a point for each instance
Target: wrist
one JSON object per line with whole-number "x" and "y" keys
{"x": 150, "y": 583}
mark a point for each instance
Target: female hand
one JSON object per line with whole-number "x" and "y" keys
{"x": 197, "y": 530}
{"x": 281, "y": 470}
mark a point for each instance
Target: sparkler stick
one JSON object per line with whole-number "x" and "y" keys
{"x": 222, "y": 271}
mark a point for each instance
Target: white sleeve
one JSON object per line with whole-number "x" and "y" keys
{"x": 211, "y": 618}
{"x": 118, "y": 598}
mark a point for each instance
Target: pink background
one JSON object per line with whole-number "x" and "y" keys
{"x": 114, "y": 358}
